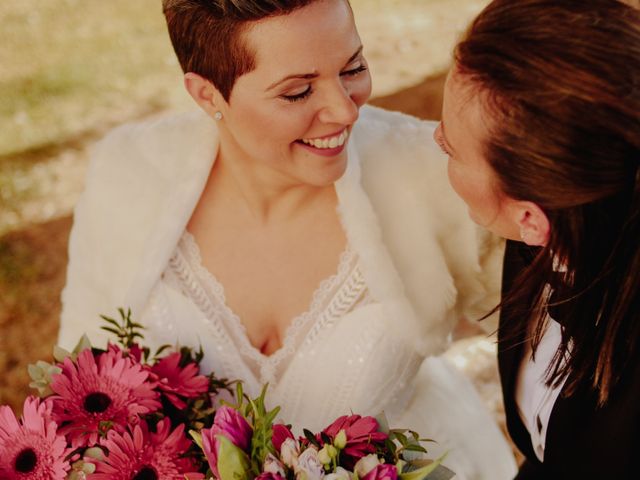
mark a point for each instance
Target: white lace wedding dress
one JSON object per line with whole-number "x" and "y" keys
{"x": 340, "y": 356}
{"x": 415, "y": 263}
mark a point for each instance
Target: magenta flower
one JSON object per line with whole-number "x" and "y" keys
{"x": 135, "y": 352}
{"x": 31, "y": 449}
{"x": 141, "y": 454}
{"x": 93, "y": 397}
{"x": 231, "y": 424}
{"x": 383, "y": 471}
{"x": 176, "y": 382}
{"x": 362, "y": 437}
{"x": 280, "y": 434}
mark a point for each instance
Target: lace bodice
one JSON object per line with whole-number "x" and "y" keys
{"x": 336, "y": 296}
{"x": 336, "y": 357}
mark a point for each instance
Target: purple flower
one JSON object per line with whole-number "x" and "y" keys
{"x": 280, "y": 434}
{"x": 309, "y": 466}
{"x": 231, "y": 424}
{"x": 384, "y": 471}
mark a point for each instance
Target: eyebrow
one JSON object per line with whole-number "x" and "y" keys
{"x": 310, "y": 76}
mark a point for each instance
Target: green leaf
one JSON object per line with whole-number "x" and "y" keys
{"x": 402, "y": 438}
{"x": 233, "y": 463}
{"x": 110, "y": 320}
{"x": 325, "y": 438}
{"x": 239, "y": 393}
{"x": 271, "y": 416}
{"x": 415, "y": 448}
{"x": 111, "y": 330}
{"x": 383, "y": 423}
{"x": 197, "y": 437}
{"x": 161, "y": 349}
{"x": 59, "y": 354}
{"x": 422, "y": 470}
{"x": 311, "y": 437}
{"x": 430, "y": 440}
{"x": 390, "y": 446}
{"x": 83, "y": 344}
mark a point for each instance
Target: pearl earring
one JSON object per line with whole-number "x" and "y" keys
{"x": 218, "y": 115}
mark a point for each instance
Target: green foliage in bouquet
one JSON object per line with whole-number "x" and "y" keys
{"x": 244, "y": 443}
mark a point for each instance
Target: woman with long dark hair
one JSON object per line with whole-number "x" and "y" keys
{"x": 541, "y": 121}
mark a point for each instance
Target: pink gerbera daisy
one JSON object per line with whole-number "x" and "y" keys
{"x": 143, "y": 455}
{"x": 93, "y": 397}
{"x": 175, "y": 381}
{"x": 31, "y": 449}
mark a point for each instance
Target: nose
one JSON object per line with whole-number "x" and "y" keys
{"x": 339, "y": 106}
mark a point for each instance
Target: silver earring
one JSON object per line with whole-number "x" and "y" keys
{"x": 523, "y": 234}
{"x": 218, "y": 115}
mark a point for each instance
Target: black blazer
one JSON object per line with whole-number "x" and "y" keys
{"x": 583, "y": 441}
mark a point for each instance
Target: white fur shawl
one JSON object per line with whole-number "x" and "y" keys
{"x": 420, "y": 254}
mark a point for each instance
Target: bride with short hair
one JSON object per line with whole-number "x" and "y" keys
{"x": 303, "y": 239}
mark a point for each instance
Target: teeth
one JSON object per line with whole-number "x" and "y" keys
{"x": 332, "y": 142}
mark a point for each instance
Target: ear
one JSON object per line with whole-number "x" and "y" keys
{"x": 534, "y": 224}
{"x": 205, "y": 94}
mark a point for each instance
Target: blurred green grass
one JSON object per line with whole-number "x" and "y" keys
{"x": 69, "y": 65}
{"x": 70, "y": 69}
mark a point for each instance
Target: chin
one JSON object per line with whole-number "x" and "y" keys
{"x": 328, "y": 174}
{"x": 327, "y": 179}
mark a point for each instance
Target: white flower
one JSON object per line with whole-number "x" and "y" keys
{"x": 309, "y": 467}
{"x": 42, "y": 373}
{"x": 323, "y": 456}
{"x": 327, "y": 453}
{"x": 289, "y": 451}
{"x": 341, "y": 440}
{"x": 273, "y": 465}
{"x": 366, "y": 464}
{"x": 339, "y": 474}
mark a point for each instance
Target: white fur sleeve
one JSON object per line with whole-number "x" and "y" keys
{"x": 91, "y": 283}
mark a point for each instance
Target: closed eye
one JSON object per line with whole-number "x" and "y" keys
{"x": 301, "y": 96}
{"x": 298, "y": 96}
{"x": 355, "y": 71}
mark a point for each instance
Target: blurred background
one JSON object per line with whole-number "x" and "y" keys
{"x": 72, "y": 69}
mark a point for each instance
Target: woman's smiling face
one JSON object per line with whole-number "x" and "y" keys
{"x": 292, "y": 115}
{"x": 462, "y": 134}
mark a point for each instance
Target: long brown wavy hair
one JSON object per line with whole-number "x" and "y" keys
{"x": 561, "y": 79}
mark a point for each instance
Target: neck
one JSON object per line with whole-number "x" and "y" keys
{"x": 268, "y": 195}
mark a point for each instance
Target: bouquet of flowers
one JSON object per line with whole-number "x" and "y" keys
{"x": 245, "y": 444}
{"x": 123, "y": 413}
{"x": 117, "y": 413}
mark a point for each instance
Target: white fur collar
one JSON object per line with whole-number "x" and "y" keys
{"x": 399, "y": 213}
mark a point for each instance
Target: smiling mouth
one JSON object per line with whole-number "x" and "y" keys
{"x": 327, "y": 142}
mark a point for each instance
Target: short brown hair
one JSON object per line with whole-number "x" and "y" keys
{"x": 561, "y": 80}
{"x": 206, "y": 35}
